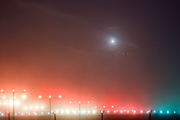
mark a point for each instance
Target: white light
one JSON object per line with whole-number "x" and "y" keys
{"x": 67, "y": 111}
{"x": 28, "y": 113}
{"x": 36, "y": 107}
{"x": 48, "y": 113}
{"x": 160, "y": 111}
{"x": 88, "y": 101}
{"x": 174, "y": 111}
{"x": 128, "y": 111}
{"x": 23, "y": 96}
{"x": 141, "y": 111}
{"x": 88, "y": 111}
{"x": 11, "y": 102}
{"x": 167, "y": 111}
{"x": 60, "y": 96}
{"x": 25, "y": 107}
{"x": 2, "y": 90}
{"x": 62, "y": 111}
{"x": 35, "y": 113}
{"x": 94, "y": 111}
{"x": 22, "y": 113}
{"x": 79, "y": 101}
{"x": 154, "y": 111}
{"x": 17, "y": 102}
{"x": 2, "y": 114}
{"x": 112, "y": 41}
{"x": 3, "y": 97}
{"x": 5, "y": 103}
{"x": 41, "y": 112}
{"x": 15, "y": 113}
{"x": 112, "y": 106}
{"x": 70, "y": 102}
{"x": 42, "y": 107}
{"x": 121, "y": 111}
{"x": 108, "y": 111}
{"x": 30, "y": 107}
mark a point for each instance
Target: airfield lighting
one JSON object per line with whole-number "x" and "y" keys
{"x": 2, "y": 90}
{"x": 88, "y": 101}
{"x": 23, "y": 96}
{"x": 70, "y": 102}
{"x": 13, "y": 90}
{"x": 60, "y": 96}
{"x": 112, "y": 106}
{"x": 40, "y": 96}
{"x": 104, "y": 106}
{"x": 49, "y": 96}
{"x": 79, "y": 102}
{"x": 24, "y": 90}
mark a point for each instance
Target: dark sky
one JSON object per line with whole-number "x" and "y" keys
{"x": 53, "y": 47}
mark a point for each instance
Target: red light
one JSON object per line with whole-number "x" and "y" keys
{"x": 95, "y": 106}
{"x": 7, "y": 112}
{"x": 103, "y": 106}
{"x": 124, "y": 110}
{"x": 19, "y": 112}
{"x": 26, "y": 112}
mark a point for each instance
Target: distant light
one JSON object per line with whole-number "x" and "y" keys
{"x": 88, "y": 111}
{"x": 4, "y": 103}
{"x": 48, "y": 113}
{"x": 174, "y": 111}
{"x": 41, "y": 112}
{"x": 112, "y": 41}
{"x": 35, "y": 113}
{"x": 154, "y": 111}
{"x": 95, "y": 106}
{"x": 124, "y": 110}
{"x": 121, "y": 111}
{"x": 24, "y": 90}
{"x": 104, "y": 106}
{"x": 13, "y": 90}
{"x": 49, "y": 96}
{"x": 30, "y": 107}
{"x": 160, "y": 111}
{"x": 22, "y": 113}
{"x": 25, "y": 107}
{"x": 42, "y": 107}
{"x": 70, "y": 102}
{"x": 79, "y": 101}
{"x": 7, "y": 112}
{"x": 112, "y": 106}
{"x": 114, "y": 111}
{"x": 15, "y": 113}
{"x": 88, "y": 101}
{"x": 128, "y": 111}
{"x": 141, "y": 111}
{"x": 17, "y": 102}
{"x": 108, "y": 111}
{"x": 60, "y": 96}
{"x": 62, "y": 111}
{"x": 2, "y": 90}
{"x": 94, "y": 111}
{"x": 23, "y": 96}
{"x": 101, "y": 111}
{"x": 36, "y": 107}
{"x": 28, "y": 113}
{"x": 167, "y": 111}
{"x": 2, "y": 114}
{"x": 134, "y": 111}
{"x": 19, "y": 112}
{"x": 67, "y": 111}
{"x": 3, "y": 97}
{"x": 40, "y": 96}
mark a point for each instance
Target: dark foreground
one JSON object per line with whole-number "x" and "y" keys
{"x": 98, "y": 117}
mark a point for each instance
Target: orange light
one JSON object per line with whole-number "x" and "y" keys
{"x": 49, "y": 96}
{"x": 2, "y": 90}
{"x": 40, "y": 96}
{"x": 88, "y": 101}
{"x": 70, "y": 102}
{"x": 60, "y": 96}
{"x": 7, "y": 112}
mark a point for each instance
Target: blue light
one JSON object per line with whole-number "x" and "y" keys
{"x": 2, "y": 114}
{"x": 48, "y": 113}
{"x": 167, "y": 111}
{"x": 174, "y": 111}
{"x": 15, "y": 113}
{"x": 108, "y": 111}
{"x": 160, "y": 111}
{"x": 154, "y": 111}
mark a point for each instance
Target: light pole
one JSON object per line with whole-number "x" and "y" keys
{"x": 79, "y": 103}
{"x": 103, "y": 111}
{"x": 50, "y": 101}
{"x": 13, "y": 91}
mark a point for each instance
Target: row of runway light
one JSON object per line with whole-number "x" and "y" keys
{"x": 94, "y": 112}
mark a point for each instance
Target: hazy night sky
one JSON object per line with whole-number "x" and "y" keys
{"x": 63, "y": 47}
